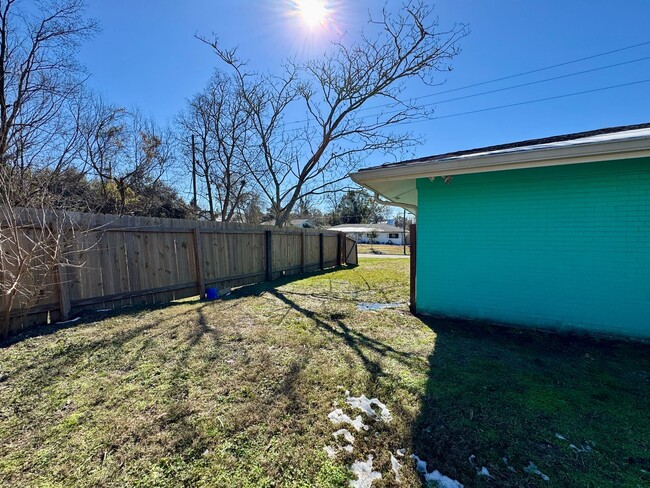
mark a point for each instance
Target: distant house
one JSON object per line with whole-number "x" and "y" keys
{"x": 300, "y": 223}
{"x": 385, "y": 233}
{"x": 550, "y": 233}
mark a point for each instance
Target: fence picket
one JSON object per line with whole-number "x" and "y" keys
{"x": 134, "y": 260}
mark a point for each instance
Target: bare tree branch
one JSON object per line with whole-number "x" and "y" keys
{"x": 289, "y": 164}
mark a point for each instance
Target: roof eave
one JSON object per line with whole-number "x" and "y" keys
{"x": 532, "y": 158}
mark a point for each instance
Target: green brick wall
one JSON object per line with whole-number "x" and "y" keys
{"x": 566, "y": 247}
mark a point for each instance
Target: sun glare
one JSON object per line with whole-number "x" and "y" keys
{"x": 312, "y": 12}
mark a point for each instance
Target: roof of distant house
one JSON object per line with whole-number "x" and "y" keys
{"x": 366, "y": 228}
{"x": 304, "y": 223}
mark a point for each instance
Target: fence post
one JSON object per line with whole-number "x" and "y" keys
{"x": 413, "y": 262}
{"x": 321, "y": 257}
{"x": 198, "y": 258}
{"x": 338, "y": 250}
{"x": 269, "y": 254}
{"x": 302, "y": 250}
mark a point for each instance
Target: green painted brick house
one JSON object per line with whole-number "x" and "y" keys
{"x": 549, "y": 233}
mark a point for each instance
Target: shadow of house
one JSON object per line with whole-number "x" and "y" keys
{"x": 508, "y": 397}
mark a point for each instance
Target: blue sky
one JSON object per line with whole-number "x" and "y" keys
{"x": 146, "y": 56}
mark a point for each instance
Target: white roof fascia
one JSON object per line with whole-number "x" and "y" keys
{"x": 535, "y": 157}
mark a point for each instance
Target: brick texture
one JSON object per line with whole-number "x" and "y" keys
{"x": 565, "y": 247}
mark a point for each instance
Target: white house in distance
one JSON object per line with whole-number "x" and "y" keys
{"x": 386, "y": 233}
{"x": 300, "y": 223}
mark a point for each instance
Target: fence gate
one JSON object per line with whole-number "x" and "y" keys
{"x": 351, "y": 255}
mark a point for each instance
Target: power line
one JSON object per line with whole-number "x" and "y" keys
{"x": 516, "y": 75}
{"x": 566, "y": 63}
{"x": 569, "y": 75}
{"x": 497, "y": 90}
{"x": 611, "y": 87}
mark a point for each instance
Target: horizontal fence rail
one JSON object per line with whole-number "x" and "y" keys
{"x": 124, "y": 261}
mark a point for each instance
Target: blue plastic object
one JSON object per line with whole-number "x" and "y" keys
{"x": 211, "y": 294}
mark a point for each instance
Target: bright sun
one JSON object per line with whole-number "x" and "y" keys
{"x": 312, "y": 12}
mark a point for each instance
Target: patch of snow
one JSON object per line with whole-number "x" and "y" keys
{"x": 331, "y": 451}
{"x": 104, "y": 310}
{"x": 369, "y": 307}
{"x": 346, "y": 435}
{"x": 364, "y": 473}
{"x": 338, "y": 417}
{"x": 532, "y": 469}
{"x": 420, "y": 466}
{"x": 442, "y": 480}
{"x": 401, "y": 452}
{"x": 76, "y": 319}
{"x": 365, "y": 404}
{"x": 396, "y": 466}
{"x": 561, "y": 437}
{"x": 483, "y": 471}
{"x": 582, "y": 448}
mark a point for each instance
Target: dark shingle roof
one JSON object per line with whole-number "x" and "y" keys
{"x": 518, "y": 144}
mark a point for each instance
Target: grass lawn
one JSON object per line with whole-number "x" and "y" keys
{"x": 237, "y": 393}
{"x": 382, "y": 249}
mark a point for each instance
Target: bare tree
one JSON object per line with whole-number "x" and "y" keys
{"x": 40, "y": 106}
{"x": 218, "y": 119}
{"x": 312, "y": 158}
{"x": 126, "y": 152}
{"x": 38, "y": 79}
{"x": 249, "y": 209}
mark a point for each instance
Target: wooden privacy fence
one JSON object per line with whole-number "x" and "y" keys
{"x": 127, "y": 261}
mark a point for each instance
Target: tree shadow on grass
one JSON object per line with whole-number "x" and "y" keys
{"x": 77, "y": 351}
{"x": 73, "y": 352}
{"x": 117, "y": 352}
{"x": 89, "y": 317}
{"x": 503, "y": 395}
{"x": 358, "y": 342}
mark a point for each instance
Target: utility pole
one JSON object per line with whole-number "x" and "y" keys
{"x": 404, "y": 232}
{"x": 196, "y": 204}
